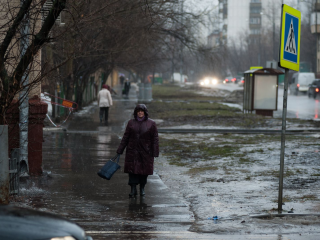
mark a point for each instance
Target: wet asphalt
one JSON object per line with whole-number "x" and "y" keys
{"x": 71, "y": 187}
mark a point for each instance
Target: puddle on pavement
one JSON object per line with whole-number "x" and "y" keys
{"x": 173, "y": 218}
{"x": 169, "y": 205}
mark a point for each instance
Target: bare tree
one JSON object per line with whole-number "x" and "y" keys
{"x": 23, "y": 36}
{"x": 131, "y": 34}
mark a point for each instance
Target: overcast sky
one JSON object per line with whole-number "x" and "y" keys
{"x": 198, "y": 6}
{"x": 202, "y": 4}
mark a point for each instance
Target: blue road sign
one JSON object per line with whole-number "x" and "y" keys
{"x": 290, "y": 38}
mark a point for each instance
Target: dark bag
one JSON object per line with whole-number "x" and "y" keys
{"x": 123, "y": 91}
{"x": 109, "y": 168}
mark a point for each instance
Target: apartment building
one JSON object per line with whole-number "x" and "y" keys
{"x": 315, "y": 29}
{"x": 250, "y": 17}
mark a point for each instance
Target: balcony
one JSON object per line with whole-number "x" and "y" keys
{"x": 257, "y": 15}
{"x": 315, "y": 22}
{"x": 255, "y": 26}
{"x": 255, "y": 5}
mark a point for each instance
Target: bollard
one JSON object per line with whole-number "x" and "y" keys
{"x": 147, "y": 92}
{"x": 141, "y": 92}
{"x": 4, "y": 165}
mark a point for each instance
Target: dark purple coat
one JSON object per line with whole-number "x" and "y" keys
{"x": 142, "y": 143}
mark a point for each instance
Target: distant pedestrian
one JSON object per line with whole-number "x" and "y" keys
{"x": 126, "y": 87}
{"x": 142, "y": 145}
{"x": 122, "y": 79}
{"x": 111, "y": 90}
{"x": 104, "y": 102}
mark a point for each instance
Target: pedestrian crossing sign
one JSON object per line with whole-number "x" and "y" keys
{"x": 290, "y": 38}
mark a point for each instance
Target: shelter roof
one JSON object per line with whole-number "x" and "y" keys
{"x": 269, "y": 71}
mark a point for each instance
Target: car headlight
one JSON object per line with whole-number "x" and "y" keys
{"x": 214, "y": 81}
{"x": 64, "y": 238}
{"x": 206, "y": 82}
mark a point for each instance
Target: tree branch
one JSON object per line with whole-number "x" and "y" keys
{"x": 8, "y": 38}
{"x": 39, "y": 39}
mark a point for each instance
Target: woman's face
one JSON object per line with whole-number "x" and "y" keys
{"x": 140, "y": 113}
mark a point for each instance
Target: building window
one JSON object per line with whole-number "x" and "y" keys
{"x": 255, "y": 10}
{"x": 255, "y": 20}
{"x": 256, "y": 1}
{"x": 254, "y": 31}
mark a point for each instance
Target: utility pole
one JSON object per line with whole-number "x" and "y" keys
{"x": 172, "y": 64}
{"x": 274, "y": 33}
{"x": 317, "y": 36}
{"x": 259, "y": 53}
{"x": 181, "y": 44}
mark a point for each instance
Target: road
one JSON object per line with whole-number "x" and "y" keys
{"x": 300, "y": 106}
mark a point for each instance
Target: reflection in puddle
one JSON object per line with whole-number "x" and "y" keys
{"x": 103, "y": 146}
{"x": 137, "y": 204}
{"x": 66, "y": 161}
{"x": 316, "y": 115}
{"x": 66, "y": 185}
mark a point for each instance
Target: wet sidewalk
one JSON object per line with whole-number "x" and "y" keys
{"x": 103, "y": 208}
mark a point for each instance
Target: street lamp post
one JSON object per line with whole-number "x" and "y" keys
{"x": 259, "y": 53}
{"x": 181, "y": 46}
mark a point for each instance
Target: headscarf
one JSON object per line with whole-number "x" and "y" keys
{"x": 106, "y": 86}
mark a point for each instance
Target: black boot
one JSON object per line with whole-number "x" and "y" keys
{"x": 133, "y": 190}
{"x": 142, "y": 193}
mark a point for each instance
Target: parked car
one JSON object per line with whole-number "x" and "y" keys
{"x": 241, "y": 82}
{"x": 229, "y": 80}
{"x": 20, "y": 223}
{"x": 314, "y": 89}
{"x": 238, "y": 78}
{"x": 300, "y": 82}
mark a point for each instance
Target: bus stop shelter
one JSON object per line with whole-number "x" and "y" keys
{"x": 260, "y": 93}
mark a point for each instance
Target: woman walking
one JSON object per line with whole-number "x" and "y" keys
{"x": 104, "y": 102}
{"x": 142, "y": 143}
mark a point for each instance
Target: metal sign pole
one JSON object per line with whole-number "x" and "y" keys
{"x": 283, "y": 138}
{"x": 289, "y": 58}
